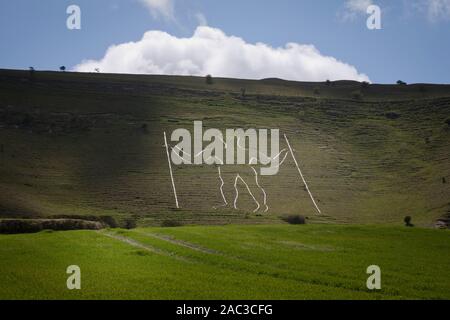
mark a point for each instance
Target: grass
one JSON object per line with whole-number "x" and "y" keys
{"x": 228, "y": 262}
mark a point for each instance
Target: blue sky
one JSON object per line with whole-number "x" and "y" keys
{"x": 413, "y": 44}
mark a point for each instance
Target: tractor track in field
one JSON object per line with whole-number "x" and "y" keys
{"x": 272, "y": 272}
{"x": 182, "y": 243}
{"x": 142, "y": 246}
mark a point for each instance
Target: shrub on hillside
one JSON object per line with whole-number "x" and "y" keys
{"x": 169, "y": 223}
{"x": 392, "y": 115}
{"x": 317, "y": 91}
{"x": 357, "y": 95}
{"x": 130, "y": 223}
{"x": 109, "y": 221}
{"x": 32, "y": 72}
{"x": 294, "y": 219}
{"x": 422, "y": 89}
{"x": 365, "y": 84}
{"x": 407, "y": 221}
{"x": 243, "y": 91}
{"x": 209, "y": 79}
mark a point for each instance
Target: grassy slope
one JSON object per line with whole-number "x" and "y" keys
{"x": 74, "y": 144}
{"x": 232, "y": 262}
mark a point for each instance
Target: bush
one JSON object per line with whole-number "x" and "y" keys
{"x": 130, "y": 224}
{"x": 32, "y": 72}
{"x": 14, "y": 226}
{"x": 19, "y": 226}
{"x": 107, "y": 221}
{"x": 27, "y": 121}
{"x": 357, "y": 95}
{"x": 317, "y": 91}
{"x": 401, "y": 83}
{"x": 407, "y": 221}
{"x": 171, "y": 223}
{"x": 209, "y": 79}
{"x": 365, "y": 85}
{"x": 71, "y": 224}
{"x": 392, "y": 115}
{"x": 294, "y": 219}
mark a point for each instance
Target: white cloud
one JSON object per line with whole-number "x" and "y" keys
{"x": 359, "y": 6}
{"x": 201, "y": 19}
{"x": 434, "y": 10}
{"x": 438, "y": 9}
{"x": 210, "y": 51}
{"x": 354, "y": 8}
{"x": 164, "y": 8}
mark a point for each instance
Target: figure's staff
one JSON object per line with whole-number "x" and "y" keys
{"x": 171, "y": 173}
{"x": 301, "y": 175}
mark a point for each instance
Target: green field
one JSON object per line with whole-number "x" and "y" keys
{"x": 231, "y": 262}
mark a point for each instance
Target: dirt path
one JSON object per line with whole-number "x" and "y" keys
{"x": 142, "y": 246}
{"x": 182, "y": 243}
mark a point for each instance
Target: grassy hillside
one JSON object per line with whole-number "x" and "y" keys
{"x": 93, "y": 144}
{"x": 232, "y": 262}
